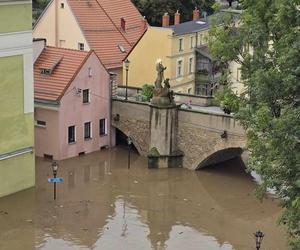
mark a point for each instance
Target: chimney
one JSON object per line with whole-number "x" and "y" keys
{"x": 144, "y": 24}
{"x": 177, "y": 18}
{"x": 123, "y": 24}
{"x": 166, "y": 20}
{"x": 196, "y": 14}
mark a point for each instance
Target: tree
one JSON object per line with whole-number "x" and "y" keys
{"x": 266, "y": 44}
{"x": 153, "y": 10}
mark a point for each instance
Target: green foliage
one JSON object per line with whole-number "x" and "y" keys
{"x": 154, "y": 152}
{"x": 147, "y": 93}
{"x": 153, "y": 10}
{"x": 266, "y": 43}
{"x": 226, "y": 98}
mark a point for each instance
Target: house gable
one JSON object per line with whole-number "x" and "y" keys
{"x": 60, "y": 27}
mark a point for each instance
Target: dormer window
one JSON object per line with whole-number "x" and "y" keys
{"x": 46, "y": 71}
{"x": 62, "y": 5}
{"x": 121, "y": 48}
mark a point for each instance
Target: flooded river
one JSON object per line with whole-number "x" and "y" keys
{"x": 103, "y": 205}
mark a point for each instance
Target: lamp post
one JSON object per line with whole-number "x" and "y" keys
{"x": 129, "y": 142}
{"x": 127, "y": 63}
{"x": 54, "y": 166}
{"x": 258, "y": 239}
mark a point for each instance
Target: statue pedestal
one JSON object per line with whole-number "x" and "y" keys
{"x": 163, "y": 151}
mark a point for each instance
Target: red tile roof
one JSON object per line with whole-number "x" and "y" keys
{"x": 100, "y": 21}
{"x": 52, "y": 87}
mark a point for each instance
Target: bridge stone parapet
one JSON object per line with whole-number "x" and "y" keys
{"x": 208, "y": 138}
{"x": 205, "y": 138}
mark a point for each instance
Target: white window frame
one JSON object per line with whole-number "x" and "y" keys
{"x": 105, "y": 127}
{"x": 75, "y": 135}
{"x": 81, "y": 46}
{"x": 192, "y": 42}
{"x": 89, "y": 96}
{"x": 90, "y": 72}
{"x": 36, "y": 124}
{"x": 181, "y": 44}
{"x": 91, "y": 131}
{"x": 191, "y": 67}
{"x": 182, "y": 67}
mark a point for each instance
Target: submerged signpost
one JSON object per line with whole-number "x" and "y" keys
{"x": 55, "y": 179}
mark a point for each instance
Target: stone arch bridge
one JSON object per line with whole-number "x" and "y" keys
{"x": 205, "y": 138}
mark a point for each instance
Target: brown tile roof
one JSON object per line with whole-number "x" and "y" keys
{"x": 100, "y": 21}
{"x": 66, "y": 63}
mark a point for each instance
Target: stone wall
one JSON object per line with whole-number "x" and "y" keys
{"x": 199, "y": 133}
{"x": 199, "y": 137}
{"x": 133, "y": 120}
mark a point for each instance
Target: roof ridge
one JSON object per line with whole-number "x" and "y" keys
{"x": 60, "y": 48}
{"x": 113, "y": 22}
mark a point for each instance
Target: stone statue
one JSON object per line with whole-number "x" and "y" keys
{"x": 161, "y": 94}
{"x": 160, "y": 74}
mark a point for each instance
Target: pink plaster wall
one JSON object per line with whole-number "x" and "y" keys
{"x": 73, "y": 112}
{"x": 46, "y": 139}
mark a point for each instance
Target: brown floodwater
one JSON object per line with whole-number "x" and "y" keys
{"x": 103, "y": 205}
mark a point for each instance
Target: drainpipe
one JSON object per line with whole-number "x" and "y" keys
{"x": 56, "y": 22}
{"x": 112, "y": 82}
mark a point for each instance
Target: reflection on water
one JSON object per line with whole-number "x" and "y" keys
{"x": 104, "y": 205}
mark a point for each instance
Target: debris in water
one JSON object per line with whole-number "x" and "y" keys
{"x": 135, "y": 182}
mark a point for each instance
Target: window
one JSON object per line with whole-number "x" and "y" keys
{"x": 192, "y": 42}
{"x": 90, "y": 72}
{"x": 46, "y": 71}
{"x": 87, "y": 130}
{"x": 200, "y": 39}
{"x": 181, "y": 44}
{"x": 121, "y": 48}
{"x": 189, "y": 90}
{"x": 102, "y": 127}
{"x": 86, "y": 96}
{"x": 41, "y": 124}
{"x": 179, "y": 68}
{"x": 81, "y": 46}
{"x": 62, "y": 5}
{"x": 71, "y": 134}
{"x": 191, "y": 65}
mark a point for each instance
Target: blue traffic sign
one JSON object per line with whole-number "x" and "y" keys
{"x": 58, "y": 179}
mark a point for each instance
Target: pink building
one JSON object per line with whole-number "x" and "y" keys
{"x": 72, "y": 103}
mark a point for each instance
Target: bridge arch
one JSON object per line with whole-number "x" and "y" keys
{"x": 220, "y": 156}
{"x": 120, "y": 133}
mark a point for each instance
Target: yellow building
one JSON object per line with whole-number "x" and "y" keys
{"x": 177, "y": 46}
{"x": 17, "y": 171}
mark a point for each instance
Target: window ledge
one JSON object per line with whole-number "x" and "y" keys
{"x": 88, "y": 139}
{"x": 40, "y": 126}
{"x": 103, "y": 135}
{"x": 72, "y": 143}
{"x": 86, "y": 103}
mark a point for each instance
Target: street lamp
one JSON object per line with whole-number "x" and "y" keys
{"x": 129, "y": 142}
{"x": 54, "y": 166}
{"x": 258, "y": 238}
{"x": 127, "y": 63}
